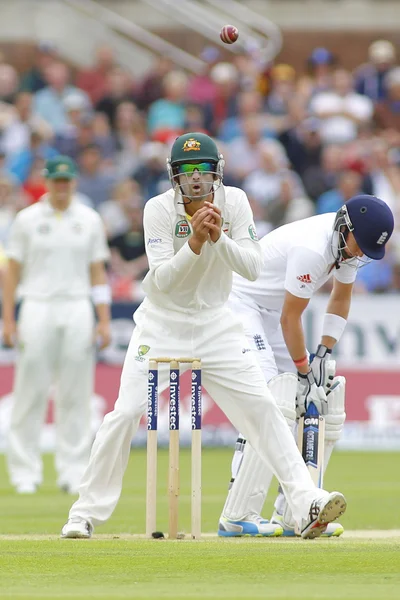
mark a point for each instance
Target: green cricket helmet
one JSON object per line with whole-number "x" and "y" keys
{"x": 195, "y": 149}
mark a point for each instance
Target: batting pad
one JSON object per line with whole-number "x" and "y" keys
{"x": 248, "y": 492}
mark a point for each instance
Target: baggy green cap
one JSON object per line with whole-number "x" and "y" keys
{"x": 194, "y": 147}
{"x": 60, "y": 167}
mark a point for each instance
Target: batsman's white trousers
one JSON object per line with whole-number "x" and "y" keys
{"x": 232, "y": 377}
{"x": 56, "y": 346}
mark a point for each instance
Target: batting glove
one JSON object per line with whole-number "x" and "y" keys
{"x": 323, "y": 367}
{"x": 308, "y": 391}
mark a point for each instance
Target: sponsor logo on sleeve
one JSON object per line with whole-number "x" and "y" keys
{"x": 304, "y": 278}
{"x": 182, "y": 229}
{"x": 152, "y": 241}
{"x": 253, "y": 233}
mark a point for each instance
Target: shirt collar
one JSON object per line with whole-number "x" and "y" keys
{"x": 49, "y": 210}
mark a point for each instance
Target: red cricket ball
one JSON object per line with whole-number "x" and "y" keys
{"x": 229, "y": 34}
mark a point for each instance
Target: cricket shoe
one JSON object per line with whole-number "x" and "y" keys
{"x": 332, "y": 530}
{"x": 76, "y": 527}
{"x": 322, "y": 512}
{"x": 252, "y": 526}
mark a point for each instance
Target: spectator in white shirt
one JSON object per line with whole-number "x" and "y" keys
{"x": 341, "y": 110}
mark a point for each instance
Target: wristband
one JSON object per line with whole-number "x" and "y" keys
{"x": 101, "y": 294}
{"x": 302, "y": 362}
{"x": 333, "y": 326}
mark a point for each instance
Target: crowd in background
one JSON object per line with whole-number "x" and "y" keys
{"x": 299, "y": 144}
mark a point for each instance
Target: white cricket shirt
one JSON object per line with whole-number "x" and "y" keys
{"x": 297, "y": 258}
{"x": 56, "y": 249}
{"x": 181, "y": 280}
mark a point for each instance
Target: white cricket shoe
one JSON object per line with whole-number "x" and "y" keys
{"x": 76, "y": 527}
{"x": 26, "y": 488}
{"x": 332, "y": 530}
{"x": 322, "y": 512}
{"x": 252, "y": 526}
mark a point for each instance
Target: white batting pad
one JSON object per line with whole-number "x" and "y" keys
{"x": 249, "y": 490}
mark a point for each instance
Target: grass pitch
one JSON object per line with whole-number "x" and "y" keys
{"x": 35, "y": 563}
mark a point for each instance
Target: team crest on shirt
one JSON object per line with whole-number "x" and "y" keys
{"x": 253, "y": 233}
{"x": 190, "y": 145}
{"x": 142, "y": 350}
{"x": 43, "y": 228}
{"x": 77, "y": 228}
{"x": 182, "y": 229}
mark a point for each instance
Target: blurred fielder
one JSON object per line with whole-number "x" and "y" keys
{"x": 298, "y": 259}
{"x": 56, "y": 256}
{"x": 197, "y": 234}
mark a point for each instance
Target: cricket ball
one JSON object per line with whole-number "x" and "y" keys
{"x": 229, "y": 34}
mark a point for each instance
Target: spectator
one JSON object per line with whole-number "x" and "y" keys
{"x": 201, "y": 87}
{"x": 265, "y": 186}
{"x": 92, "y": 181}
{"x": 349, "y": 185}
{"x": 114, "y": 212}
{"x": 387, "y": 111}
{"x": 224, "y": 105}
{"x": 152, "y": 87}
{"x": 341, "y": 110}
{"x": 244, "y": 151}
{"x": 370, "y": 78}
{"x": 11, "y": 201}
{"x": 21, "y": 163}
{"x": 35, "y": 184}
{"x": 151, "y": 173}
{"x": 34, "y": 80}
{"x": 49, "y": 102}
{"x": 8, "y": 83}
{"x": 283, "y": 78}
{"x": 248, "y": 103}
{"x": 166, "y": 116}
{"x": 94, "y": 81}
{"x": 320, "y": 178}
{"x": 320, "y": 65}
{"x": 385, "y": 175}
{"x": 128, "y": 256}
{"x": 303, "y": 145}
{"x": 119, "y": 88}
{"x": 195, "y": 118}
{"x": 129, "y": 135}
{"x": 16, "y": 136}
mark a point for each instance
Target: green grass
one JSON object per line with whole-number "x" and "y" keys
{"x": 211, "y": 568}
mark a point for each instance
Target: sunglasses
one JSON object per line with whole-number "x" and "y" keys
{"x": 203, "y": 167}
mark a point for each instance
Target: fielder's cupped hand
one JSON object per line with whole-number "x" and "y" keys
{"x": 200, "y": 223}
{"x": 308, "y": 391}
{"x": 215, "y": 224}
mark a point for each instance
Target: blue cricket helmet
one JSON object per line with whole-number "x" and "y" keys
{"x": 371, "y": 222}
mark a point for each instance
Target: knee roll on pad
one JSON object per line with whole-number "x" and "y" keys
{"x": 283, "y": 388}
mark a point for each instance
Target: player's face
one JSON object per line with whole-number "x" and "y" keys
{"x": 352, "y": 248}
{"x": 196, "y": 179}
{"x": 61, "y": 189}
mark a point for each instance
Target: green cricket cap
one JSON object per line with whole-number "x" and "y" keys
{"x": 60, "y": 167}
{"x": 194, "y": 147}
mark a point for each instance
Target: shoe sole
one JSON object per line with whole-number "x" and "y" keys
{"x": 337, "y": 533}
{"x": 277, "y": 533}
{"x": 75, "y": 535}
{"x": 333, "y": 509}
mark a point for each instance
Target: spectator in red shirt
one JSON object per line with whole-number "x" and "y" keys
{"x": 94, "y": 81}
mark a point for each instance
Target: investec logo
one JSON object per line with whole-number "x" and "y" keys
{"x": 195, "y": 404}
{"x": 173, "y": 405}
{"x": 152, "y": 408}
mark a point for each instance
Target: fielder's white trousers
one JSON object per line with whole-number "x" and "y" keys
{"x": 232, "y": 377}
{"x": 56, "y": 346}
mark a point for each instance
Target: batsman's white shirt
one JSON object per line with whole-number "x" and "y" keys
{"x": 298, "y": 258}
{"x": 184, "y": 314}
{"x": 55, "y": 336}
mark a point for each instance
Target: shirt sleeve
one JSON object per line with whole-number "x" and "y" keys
{"x": 345, "y": 273}
{"x": 303, "y": 270}
{"x": 18, "y": 240}
{"x": 100, "y": 251}
{"x": 166, "y": 268}
{"x": 241, "y": 253}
